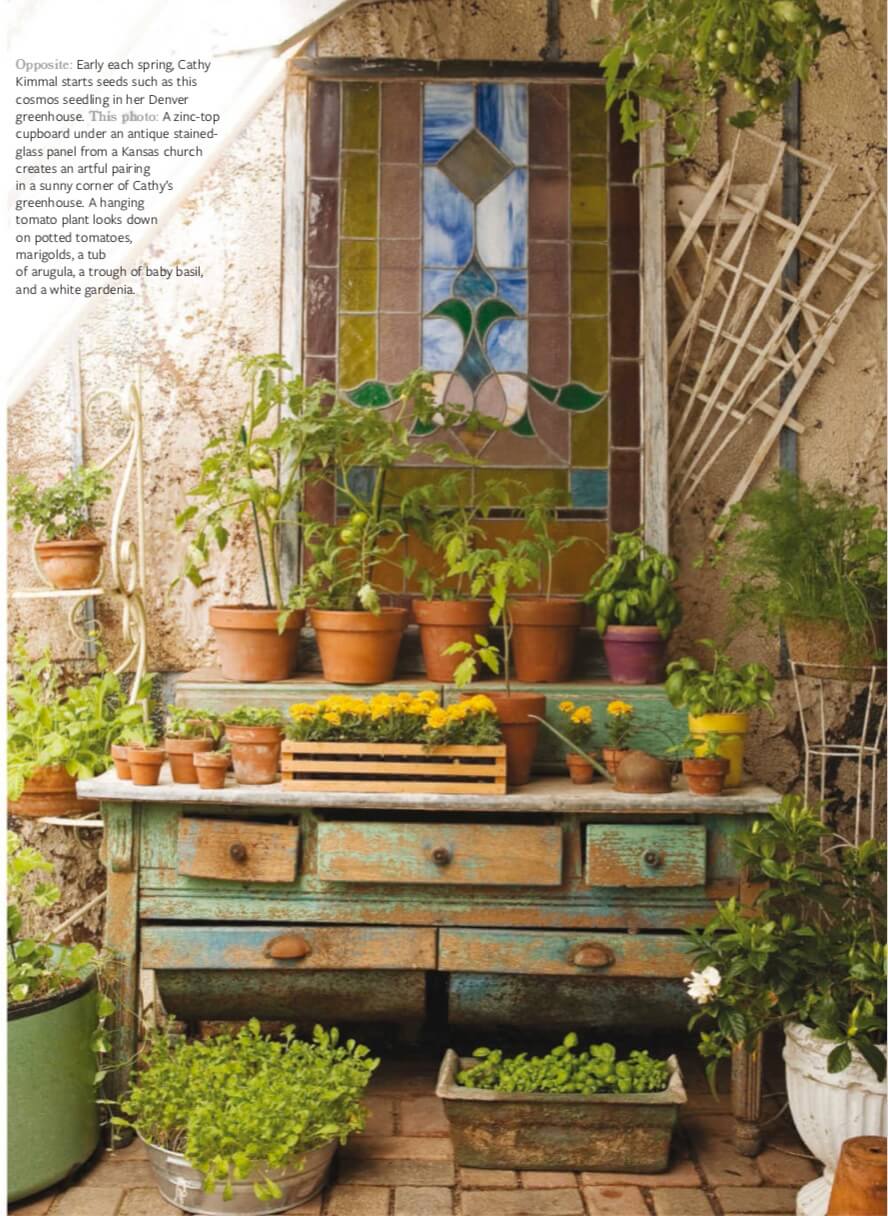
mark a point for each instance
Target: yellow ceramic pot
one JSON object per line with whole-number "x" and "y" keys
{"x": 734, "y": 728}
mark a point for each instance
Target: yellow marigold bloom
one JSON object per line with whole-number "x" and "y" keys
{"x": 482, "y": 705}
{"x": 417, "y": 709}
{"x": 617, "y": 709}
{"x": 333, "y": 718}
{"x": 458, "y": 711}
{"x": 302, "y": 709}
{"x": 566, "y": 707}
{"x": 429, "y": 696}
{"x": 582, "y": 716}
{"x": 438, "y": 717}
{"x": 404, "y": 698}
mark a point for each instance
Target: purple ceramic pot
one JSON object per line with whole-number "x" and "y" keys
{"x": 636, "y": 654}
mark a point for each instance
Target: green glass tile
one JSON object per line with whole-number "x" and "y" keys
{"x": 549, "y": 391}
{"x": 357, "y": 350}
{"x": 357, "y": 278}
{"x": 359, "y": 194}
{"x": 588, "y": 352}
{"x": 588, "y": 120}
{"x": 531, "y": 481}
{"x": 455, "y": 310}
{"x": 578, "y": 397}
{"x": 360, "y": 115}
{"x": 588, "y": 279}
{"x": 398, "y": 481}
{"x": 423, "y": 428}
{"x": 490, "y": 311}
{"x": 523, "y": 426}
{"x": 589, "y": 437}
{"x": 588, "y": 199}
{"x": 372, "y": 394}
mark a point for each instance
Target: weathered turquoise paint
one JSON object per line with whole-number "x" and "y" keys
{"x": 542, "y": 1002}
{"x": 244, "y": 948}
{"x": 645, "y": 855}
{"x": 519, "y": 952}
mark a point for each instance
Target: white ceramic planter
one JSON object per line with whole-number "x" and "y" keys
{"x": 828, "y": 1108}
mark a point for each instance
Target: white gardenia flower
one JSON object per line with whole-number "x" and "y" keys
{"x": 703, "y": 985}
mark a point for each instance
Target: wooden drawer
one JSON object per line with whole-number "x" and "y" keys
{"x": 533, "y": 952}
{"x": 457, "y": 854}
{"x": 240, "y": 851}
{"x": 645, "y": 855}
{"x": 287, "y": 947}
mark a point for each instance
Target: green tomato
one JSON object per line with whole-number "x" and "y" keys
{"x": 766, "y": 104}
{"x": 713, "y": 65}
{"x": 273, "y": 498}
{"x": 722, "y": 35}
{"x": 260, "y": 460}
{"x": 733, "y": 47}
{"x": 348, "y": 536}
{"x": 698, "y": 54}
{"x": 358, "y": 519}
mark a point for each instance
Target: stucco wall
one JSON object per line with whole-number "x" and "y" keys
{"x": 181, "y": 337}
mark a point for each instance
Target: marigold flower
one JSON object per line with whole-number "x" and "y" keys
{"x": 582, "y": 716}
{"x": 482, "y": 705}
{"x": 437, "y": 718}
{"x": 566, "y": 707}
{"x": 617, "y": 709}
{"x": 333, "y": 718}
{"x": 428, "y": 695}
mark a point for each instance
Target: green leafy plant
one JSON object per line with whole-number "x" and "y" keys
{"x": 395, "y": 718}
{"x": 723, "y": 690}
{"x": 678, "y": 54}
{"x": 809, "y": 551}
{"x": 811, "y": 949}
{"x": 239, "y": 1105}
{"x": 62, "y": 511}
{"x": 704, "y": 746}
{"x": 47, "y": 724}
{"x": 635, "y": 586}
{"x": 564, "y": 1070}
{"x": 541, "y": 546}
{"x": 345, "y": 561}
{"x": 184, "y": 722}
{"x": 252, "y": 715}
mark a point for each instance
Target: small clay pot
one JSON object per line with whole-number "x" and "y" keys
{"x": 119, "y": 754}
{"x": 255, "y": 753}
{"x": 50, "y": 790}
{"x": 580, "y": 770}
{"x": 251, "y": 649}
{"x": 359, "y": 647}
{"x": 706, "y": 775}
{"x": 517, "y": 715}
{"x": 859, "y": 1185}
{"x": 181, "y": 753}
{"x": 70, "y": 564}
{"x": 443, "y": 622}
{"x": 544, "y": 639}
{"x": 145, "y": 764}
{"x": 640, "y": 773}
{"x": 612, "y": 757}
{"x": 635, "y": 654}
{"x": 211, "y": 768}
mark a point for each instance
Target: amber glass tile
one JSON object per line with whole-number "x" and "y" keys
{"x": 549, "y": 349}
{"x": 548, "y": 277}
{"x": 624, "y": 238}
{"x": 401, "y": 121}
{"x": 588, "y": 278}
{"x": 322, "y": 225}
{"x": 547, "y": 134}
{"x": 623, "y": 156}
{"x": 400, "y": 201}
{"x": 588, "y": 120}
{"x": 357, "y": 276}
{"x": 426, "y": 558}
{"x": 588, "y": 199}
{"x": 323, "y": 125}
{"x": 588, "y": 353}
{"x": 549, "y": 218}
{"x": 357, "y": 350}
{"x": 320, "y": 312}
{"x": 589, "y": 442}
{"x": 625, "y": 319}
{"x": 574, "y": 566}
{"x": 625, "y": 490}
{"x": 400, "y": 480}
{"x": 530, "y": 481}
{"x": 360, "y": 115}
{"x": 624, "y": 399}
{"x": 359, "y": 191}
{"x": 399, "y": 345}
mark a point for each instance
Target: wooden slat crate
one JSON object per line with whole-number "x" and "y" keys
{"x": 390, "y": 768}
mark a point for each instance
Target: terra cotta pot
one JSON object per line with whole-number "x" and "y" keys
{"x": 359, "y": 647}
{"x": 120, "y": 754}
{"x": 612, "y": 757}
{"x": 705, "y": 774}
{"x": 255, "y": 753}
{"x": 443, "y": 622}
{"x": 145, "y": 764}
{"x": 69, "y": 564}
{"x": 211, "y": 768}
{"x": 250, "y": 648}
{"x": 859, "y": 1186}
{"x": 640, "y": 773}
{"x": 517, "y": 715}
{"x": 181, "y": 753}
{"x": 636, "y": 654}
{"x": 50, "y": 790}
{"x": 580, "y": 770}
{"x": 544, "y": 639}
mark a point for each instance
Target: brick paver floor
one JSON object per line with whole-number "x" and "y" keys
{"x": 403, "y": 1166}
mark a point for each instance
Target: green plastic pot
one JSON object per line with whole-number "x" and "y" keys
{"x": 53, "y": 1119}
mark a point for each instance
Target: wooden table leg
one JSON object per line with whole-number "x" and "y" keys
{"x": 121, "y": 942}
{"x": 746, "y": 1099}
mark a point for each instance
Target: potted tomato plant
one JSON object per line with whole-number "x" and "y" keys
{"x": 636, "y": 609}
{"x": 69, "y": 552}
{"x": 254, "y": 736}
{"x": 720, "y": 701}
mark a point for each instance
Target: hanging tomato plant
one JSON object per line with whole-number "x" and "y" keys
{"x": 678, "y": 53}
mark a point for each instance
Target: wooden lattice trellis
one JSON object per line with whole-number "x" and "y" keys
{"x": 732, "y": 351}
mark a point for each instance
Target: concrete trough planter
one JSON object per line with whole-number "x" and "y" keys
{"x": 620, "y": 1133}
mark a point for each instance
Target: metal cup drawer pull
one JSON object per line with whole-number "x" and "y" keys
{"x": 653, "y": 858}
{"x": 288, "y": 947}
{"x": 592, "y": 955}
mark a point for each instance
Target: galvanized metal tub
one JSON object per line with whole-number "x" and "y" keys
{"x": 181, "y": 1185}
{"x": 622, "y": 1133}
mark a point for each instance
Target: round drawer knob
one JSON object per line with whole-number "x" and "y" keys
{"x": 653, "y": 859}
{"x": 442, "y": 856}
{"x": 238, "y": 853}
